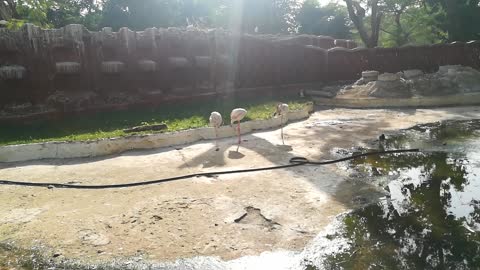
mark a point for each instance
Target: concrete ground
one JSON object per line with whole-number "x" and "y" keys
{"x": 227, "y": 216}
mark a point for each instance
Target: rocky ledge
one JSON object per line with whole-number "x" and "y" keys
{"x": 448, "y": 80}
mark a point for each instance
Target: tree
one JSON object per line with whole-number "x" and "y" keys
{"x": 260, "y": 16}
{"x": 331, "y": 20}
{"x": 56, "y": 13}
{"x": 410, "y": 22}
{"x": 398, "y": 22}
{"x": 462, "y": 22}
{"x": 357, "y": 10}
{"x": 203, "y": 13}
{"x": 139, "y": 15}
{"x": 397, "y": 8}
{"x": 34, "y": 11}
{"x": 63, "y": 12}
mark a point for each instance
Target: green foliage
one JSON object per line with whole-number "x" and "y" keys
{"x": 331, "y": 20}
{"x": 401, "y": 21}
{"x": 264, "y": 16}
{"x": 462, "y": 18}
{"x": 404, "y": 22}
{"x": 58, "y": 13}
{"x": 139, "y": 15}
{"x": 63, "y": 12}
{"x": 268, "y": 16}
{"x": 415, "y": 25}
{"x": 35, "y": 11}
{"x": 14, "y": 24}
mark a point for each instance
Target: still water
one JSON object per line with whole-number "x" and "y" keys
{"x": 430, "y": 218}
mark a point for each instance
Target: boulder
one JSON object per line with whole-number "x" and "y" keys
{"x": 369, "y": 76}
{"x": 391, "y": 89}
{"x": 412, "y": 73}
{"x": 389, "y": 77}
{"x": 445, "y": 69}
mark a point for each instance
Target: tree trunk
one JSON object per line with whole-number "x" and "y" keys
{"x": 357, "y": 14}
{"x": 402, "y": 36}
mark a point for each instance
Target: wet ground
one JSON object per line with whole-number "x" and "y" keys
{"x": 431, "y": 216}
{"x": 245, "y": 221}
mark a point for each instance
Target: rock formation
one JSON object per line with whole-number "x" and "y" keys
{"x": 448, "y": 80}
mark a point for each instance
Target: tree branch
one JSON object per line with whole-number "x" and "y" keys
{"x": 388, "y": 32}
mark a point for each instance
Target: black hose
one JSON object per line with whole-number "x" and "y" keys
{"x": 294, "y": 162}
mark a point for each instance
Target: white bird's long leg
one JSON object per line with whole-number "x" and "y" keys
{"x": 216, "y": 137}
{"x": 281, "y": 129}
{"x": 239, "y": 135}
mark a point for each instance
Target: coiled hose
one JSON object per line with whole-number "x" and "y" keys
{"x": 294, "y": 162}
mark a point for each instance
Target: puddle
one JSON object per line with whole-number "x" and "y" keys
{"x": 431, "y": 217}
{"x": 339, "y": 121}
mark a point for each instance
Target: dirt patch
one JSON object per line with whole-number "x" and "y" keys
{"x": 20, "y": 215}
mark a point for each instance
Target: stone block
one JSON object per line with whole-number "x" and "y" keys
{"x": 203, "y": 61}
{"x": 369, "y": 76}
{"x": 412, "y": 73}
{"x": 107, "y": 30}
{"x": 147, "y": 65}
{"x": 178, "y": 62}
{"x": 389, "y": 77}
{"x": 112, "y": 67}
{"x": 67, "y": 67}
{"x": 14, "y": 72}
{"x": 444, "y": 69}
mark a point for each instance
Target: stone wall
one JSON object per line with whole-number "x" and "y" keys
{"x": 71, "y": 69}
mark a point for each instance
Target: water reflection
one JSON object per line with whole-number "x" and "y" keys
{"x": 431, "y": 218}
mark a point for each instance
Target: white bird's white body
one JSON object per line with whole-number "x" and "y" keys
{"x": 236, "y": 116}
{"x": 282, "y": 109}
{"x": 216, "y": 121}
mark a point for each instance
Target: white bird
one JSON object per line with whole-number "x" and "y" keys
{"x": 216, "y": 121}
{"x": 236, "y": 116}
{"x": 282, "y": 111}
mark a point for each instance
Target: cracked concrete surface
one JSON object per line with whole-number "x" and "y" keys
{"x": 227, "y": 216}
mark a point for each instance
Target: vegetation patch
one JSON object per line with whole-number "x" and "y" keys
{"x": 179, "y": 116}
